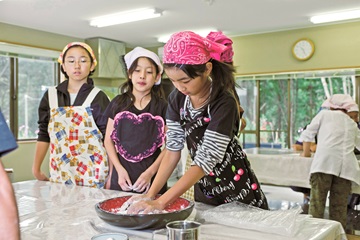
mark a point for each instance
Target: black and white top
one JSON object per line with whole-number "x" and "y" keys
{"x": 210, "y": 134}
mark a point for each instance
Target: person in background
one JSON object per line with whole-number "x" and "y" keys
{"x": 204, "y": 111}
{"x": 135, "y": 129}
{"x": 334, "y": 166}
{"x": 9, "y": 221}
{"x": 69, "y": 117}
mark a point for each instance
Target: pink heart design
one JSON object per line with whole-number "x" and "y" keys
{"x": 137, "y": 136}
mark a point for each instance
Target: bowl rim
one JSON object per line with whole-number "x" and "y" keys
{"x": 97, "y": 205}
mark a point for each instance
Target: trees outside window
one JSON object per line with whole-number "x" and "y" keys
{"x": 23, "y": 81}
{"x": 277, "y": 107}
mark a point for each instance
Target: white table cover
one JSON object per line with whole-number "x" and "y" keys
{"x": 283, "y": 167}
{"x": 54, "y": 211}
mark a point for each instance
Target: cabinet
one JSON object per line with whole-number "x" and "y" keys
{"x": 107, "y": 53}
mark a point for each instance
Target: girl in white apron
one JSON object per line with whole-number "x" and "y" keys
{"x": 69, "y": 124}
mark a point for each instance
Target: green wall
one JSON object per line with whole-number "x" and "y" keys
{"x": 336, "y": 46}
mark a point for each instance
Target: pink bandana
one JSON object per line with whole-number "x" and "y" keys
{"x": 84, "y": 45}
{"x": 219, "y": 37}
{"x": 341, "y": 101}
{"x": 190, "y": 48}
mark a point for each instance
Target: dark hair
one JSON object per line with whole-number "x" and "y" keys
{"x": 64, "y": 55}
{"x": 126, "y": 88}
{"x": 222, "y": 75}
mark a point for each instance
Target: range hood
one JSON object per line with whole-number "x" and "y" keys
{"x": 107, "y": 53}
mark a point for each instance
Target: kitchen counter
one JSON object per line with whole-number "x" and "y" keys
{"x": 54, "y": 211}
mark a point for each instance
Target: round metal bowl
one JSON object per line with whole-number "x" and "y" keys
{"x": 180, "y": 209}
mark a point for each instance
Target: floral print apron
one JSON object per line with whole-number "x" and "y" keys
{"x": 77, "y": 153}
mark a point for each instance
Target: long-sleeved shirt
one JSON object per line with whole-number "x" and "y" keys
{"x": 337, "y": 136}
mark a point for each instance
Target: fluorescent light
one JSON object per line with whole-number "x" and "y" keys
{"x": 338, "y": 16}
{"x": 125, "y": 17}
{"x": 203, "y": 33}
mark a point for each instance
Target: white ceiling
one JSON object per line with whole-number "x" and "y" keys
{"x": 233, "y": 17}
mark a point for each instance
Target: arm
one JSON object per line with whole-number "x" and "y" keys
{"x": 357, "y": 139}
{"x": 144, "y": 179}
{"x": 99, "y": 106}
{"x": 40, "y": 153}
{"x": 306, "y": 149}
{"x": 167, "y": 166}
{"x": 124, "y": 180}
{"x": 9, "y": 221}
{"x": 191, "y": 176}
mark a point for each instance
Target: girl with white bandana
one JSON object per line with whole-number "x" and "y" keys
{"x": 135, "y": 129}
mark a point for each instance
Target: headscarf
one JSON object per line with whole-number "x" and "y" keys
{"x": 341, "y": 101}
{"x": 137, "y": 52}
{"x": 190, "y": 48}
{"x": 219, "y": 37}
{"x": 81, "y": 44}
{"x": 353, "y": 108}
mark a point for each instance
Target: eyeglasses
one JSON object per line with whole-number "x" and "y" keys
{"x": 82, "y": 61}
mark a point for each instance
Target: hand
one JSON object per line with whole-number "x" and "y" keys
{"x": 124, "y": 180}
{"x": 144, "y": 207}
{"x": 133, "y": 199}
{"x": 303, "y": 154}
{"x": 40, "y": 176}
{"x": 142, "y": 184}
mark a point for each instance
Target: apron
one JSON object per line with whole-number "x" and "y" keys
{"x": 232, "y": 179}
{"x": 77, "y": 153}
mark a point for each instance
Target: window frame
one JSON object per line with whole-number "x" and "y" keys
{"x": 14, "y": 52}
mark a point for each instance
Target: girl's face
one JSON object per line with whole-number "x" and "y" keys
{"x": 77, "y": 64}
{"x": 144, "y": 76}
{"x": 185, "y": 84}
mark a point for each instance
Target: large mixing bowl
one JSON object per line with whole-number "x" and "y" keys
{"x": 107, "y": 210}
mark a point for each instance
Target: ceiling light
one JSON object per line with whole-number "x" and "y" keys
{"x": 338, "y": 16}
{"x": 125, "y": 17}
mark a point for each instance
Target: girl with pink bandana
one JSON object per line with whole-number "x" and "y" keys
{"x": 69, "y": 123}
{"x": 203, "y": 111}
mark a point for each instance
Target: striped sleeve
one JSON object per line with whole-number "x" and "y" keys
{"x": 212, "y": 151}
{"x": 175, "y": 136}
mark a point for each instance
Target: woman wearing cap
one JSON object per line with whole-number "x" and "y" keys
{"x": 69, "y": 116}
{"x": 135, "y": 128}
{"x": 204, "y": 112}
{"x": 334, "y": 166}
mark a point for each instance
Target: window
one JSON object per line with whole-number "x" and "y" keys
{"x": 278, "y": 107}
{"x": 25, "y": 74}
{"x": 5, "y": 87}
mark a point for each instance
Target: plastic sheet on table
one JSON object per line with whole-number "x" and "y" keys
{"x": 239, "y": 215}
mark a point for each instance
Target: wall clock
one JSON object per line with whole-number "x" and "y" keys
{"x": 303, "y": 49}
